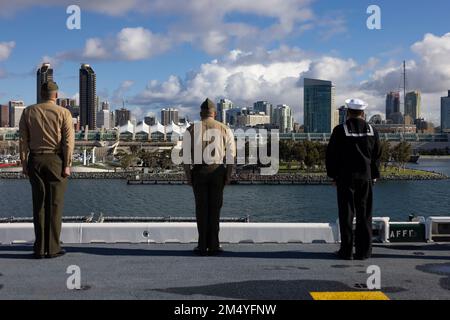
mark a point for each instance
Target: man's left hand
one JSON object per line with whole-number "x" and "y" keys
{"x": 66, "y": 172}
{"x": 24, "y": 169}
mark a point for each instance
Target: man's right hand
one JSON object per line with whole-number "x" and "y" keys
{"x": 66, "y": 172}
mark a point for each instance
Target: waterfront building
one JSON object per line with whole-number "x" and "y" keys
{"x": 88, "y": 97}
{"x": 342, "y": 114}
{"x": 252, "y": 120}
{"x": 445, "y": 113}
{"x": 222, "y": 107}
{"x": 393, "y": 107}
{"x": 283, "y": 118}
{"x": 123, "y": 115}
{"x": 412, "y": 105}
{"x": 150, "y": 120}
{"x": 15, "y": 112}
{"x": 168, "y": 116}
{"x": 43, "y": 75}
{"x": 320, "y": 114}
{"x": 4, "y": 116}
{"x": 66, "y": 103}
{"x": 104, "y": 119}
{"x": 263, "y": 106}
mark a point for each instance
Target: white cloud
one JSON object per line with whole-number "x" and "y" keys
{"x": 210, "y": 25}
{"x": 139, "y": 43}
{"x": 6, "y": 49}
{"x": 119, "y": 94}
{"x": 429, "y": 73}
{"x": 94, "y": 49}
{"x": 128, "y": 44}
{"x": 241, "y": 76}
{"x": 276, "y": 76}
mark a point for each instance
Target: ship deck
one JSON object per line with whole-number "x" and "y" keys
{"x": 244, "y": 271}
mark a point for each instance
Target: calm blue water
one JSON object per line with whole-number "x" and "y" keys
{"x": 262, "y": 203}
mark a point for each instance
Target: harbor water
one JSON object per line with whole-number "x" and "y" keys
{"x": 262, "y": 203}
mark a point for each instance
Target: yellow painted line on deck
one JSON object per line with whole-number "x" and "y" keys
{"x": 350, "y": 295}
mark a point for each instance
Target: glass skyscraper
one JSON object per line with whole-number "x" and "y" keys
{"x": 393, "y": 106}
{"x": 413, "y": 103}
{"x": 320, "y": 115}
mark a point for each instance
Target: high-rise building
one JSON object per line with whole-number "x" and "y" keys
{"x": 263, "y": 106}
{"x": 43, "y": 75}
{"x": 168, "y": 115}
{"x": 283, "y": 118}
{"x": 105, "y": 105}
{"x": 222, "y": 107}
{"x": 112, "y": 117}
{"x": 445, "y": 113}
{"x": 15, "y": 112}
{"x": 88, "y": 99}
{"x": 66, "y": 102}
{"x": 342, "y": 114}
{"x": 104, "y": 119}
{"x": 150, "y": 120}
{"x": 122, "y": 117}
{"x": 412, "y": 105}
{"x": 298, "y": 128}
{"x": 4, "y": 116}
{"x": 252, "y": 120}
{"x": 393, "y": 106}
{"x": 232, "y": 116}
{"x": 320, "y": 114}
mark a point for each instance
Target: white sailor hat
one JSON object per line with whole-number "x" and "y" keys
{"x": 356, "y": 104}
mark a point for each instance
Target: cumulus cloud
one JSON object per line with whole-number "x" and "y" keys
{"x": 244, "y": 77}
{"x": 428, "y": 73}
{"x": 214, "y": 26}
{"x": 119, "y": 93}
{"x": 94, "y": 49}
{"x": 277, "y": 76}
{"x": 140, "y": 43}
{"x": 6, "y": 49}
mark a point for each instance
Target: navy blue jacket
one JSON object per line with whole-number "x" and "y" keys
{"x": 354, "y": 152}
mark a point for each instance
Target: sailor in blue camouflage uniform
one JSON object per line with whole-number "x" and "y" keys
{"x": 353, "y": 162}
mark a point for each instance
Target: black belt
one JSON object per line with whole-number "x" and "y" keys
{"x": 35, "y": 153}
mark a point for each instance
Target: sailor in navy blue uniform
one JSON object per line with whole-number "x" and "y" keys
{"x": 353, "y": 162}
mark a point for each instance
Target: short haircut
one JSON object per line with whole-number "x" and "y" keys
{"x": 355, "y": 113}
{"x": 206, "y": 114}
{"x": 47, "y": 94}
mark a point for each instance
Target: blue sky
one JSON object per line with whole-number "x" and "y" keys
{"x": 313, "y": 30}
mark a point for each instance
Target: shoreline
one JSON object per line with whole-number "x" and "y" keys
{"x": 135, "y": 178}
{"x": 429, "y": 157}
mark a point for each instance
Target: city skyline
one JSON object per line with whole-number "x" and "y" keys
{"x": 250, "y": 53}
{"x": 320, "y": 112}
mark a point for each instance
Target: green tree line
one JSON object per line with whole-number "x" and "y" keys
{"x": 313, "y": 154}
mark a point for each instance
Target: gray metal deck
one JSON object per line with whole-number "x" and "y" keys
{"x": 244, "y": 271}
